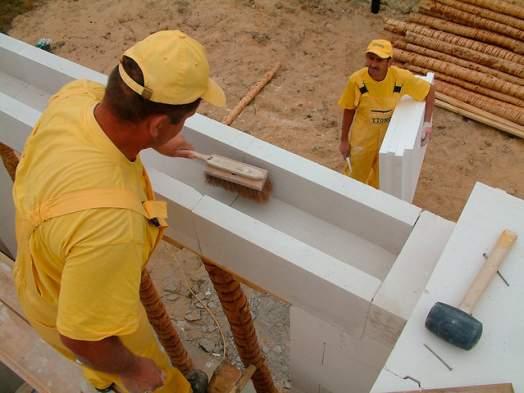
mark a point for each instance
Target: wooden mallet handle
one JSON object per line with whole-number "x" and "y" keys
{"x": 488, "y": 270}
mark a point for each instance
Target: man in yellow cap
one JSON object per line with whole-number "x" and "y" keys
{"x": 368, "y": 101}
{"x": 86, "y": 219}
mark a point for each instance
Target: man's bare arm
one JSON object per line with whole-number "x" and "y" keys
{"x": 430, "y": 103}
{"x": 347, "y": 120}
{"x": 111, "y": 356}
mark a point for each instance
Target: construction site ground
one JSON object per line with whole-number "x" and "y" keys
{"x": 319, "y": 43}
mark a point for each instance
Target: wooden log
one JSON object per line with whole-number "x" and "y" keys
{"x": 485, "y": 13}
{"x": 459, "y": 62}
{"x": 250, "y": 95}
{"x": 481, "y": 119}
{"x": 499, "y": 6}
{"x": 467, "y": 85}
{"x": 437, "y": 9}
{"x": 506, "y": 111}
{"x": 460, "y": 72}
{"x": 473, "y": 109}
{"x": 400, "y": 27}
{"x": 471, "y": 55}
{"x": 470, "y": 32}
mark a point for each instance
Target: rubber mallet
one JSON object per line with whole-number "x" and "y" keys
{"x": 456, "y": 325}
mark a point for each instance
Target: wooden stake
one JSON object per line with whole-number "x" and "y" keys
{"x": 501, "y": 109}
{"x": 451, "y": 59}
{"x": 471, "y": 55}
{"x": 490, "y": 121}
{"x": 471, "y": 32}
{"x": 440, "y": 10}
{"x": 253, "y": 91}
{"x": 499, "y": 6}
{"x": 399, "y": 27}
{"x": 468, "y": 85}
{"x": 485, "y": 13}
{"x": 450, "y": 69}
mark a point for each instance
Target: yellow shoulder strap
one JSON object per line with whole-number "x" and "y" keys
{"x": 155, "y": 211}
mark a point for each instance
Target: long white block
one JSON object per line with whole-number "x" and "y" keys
{"x": 324, "y": 357}
{"x": 498, "y": 356}
{"x": 401, "y": 156}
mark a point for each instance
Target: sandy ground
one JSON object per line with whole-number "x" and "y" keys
{"x": 318, "y": 43}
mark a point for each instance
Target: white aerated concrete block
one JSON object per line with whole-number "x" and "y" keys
{"x": 401, "y": 155}
{"x": 181, "y": 200}
{"x": 407, "y": 278}
{"x": 498, "y": 355}
{"x": 37, "y": 71}
{"x": 285, "y": 266}
{"x": 17, "y": 120}
{"x": 323, "y": 356}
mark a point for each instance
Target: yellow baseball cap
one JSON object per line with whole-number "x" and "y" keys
{"x": 382, "y": 48}
{"x": 175, "y": 70}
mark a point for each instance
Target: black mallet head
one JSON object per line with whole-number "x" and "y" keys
{"x": 454, "y": 325}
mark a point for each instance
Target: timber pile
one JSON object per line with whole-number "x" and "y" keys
{"x": 476, "y": 50}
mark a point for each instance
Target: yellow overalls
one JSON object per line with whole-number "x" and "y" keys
{"x": 42, "y": 313}
{"x": 368, "y": 129}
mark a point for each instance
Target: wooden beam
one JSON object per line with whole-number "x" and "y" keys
{"x": 496, "y": 388}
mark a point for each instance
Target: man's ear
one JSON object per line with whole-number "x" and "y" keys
{"x": 156, "y": 123}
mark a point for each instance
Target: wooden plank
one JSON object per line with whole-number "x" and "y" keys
{"x": 496, "y": 388}
{"x": 7, "y": 285}
{"x": 32, "y": 359}
{"x": 22, "y": 350}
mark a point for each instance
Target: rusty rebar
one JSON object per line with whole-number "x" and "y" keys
{"x": 159, "y": 319}
{"x": 236, "y": 308}
{"x": 10, "y": 160}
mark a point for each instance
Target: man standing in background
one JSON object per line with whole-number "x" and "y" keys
{"x": 368, "y": 101}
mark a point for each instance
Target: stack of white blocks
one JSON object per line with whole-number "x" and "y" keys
{"x": 351, "y": 260}
{"x": 401, "y": 154}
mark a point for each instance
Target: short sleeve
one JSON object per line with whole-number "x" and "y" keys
{"x": 100, "y": 285}
{"x": 415, "y": 87}
{"x": 349, "y": 96}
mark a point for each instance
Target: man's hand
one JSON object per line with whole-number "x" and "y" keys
{"x": 143, "y": 376}
{"x": 427, "y": 129}
{"x": 176, "y": 147}
{"x": 344, "y": 148}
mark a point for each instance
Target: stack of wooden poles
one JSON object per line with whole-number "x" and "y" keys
{"x": 476, "y": 50}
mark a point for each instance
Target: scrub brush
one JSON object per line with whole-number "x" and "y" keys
{"x": 247, "y": 180}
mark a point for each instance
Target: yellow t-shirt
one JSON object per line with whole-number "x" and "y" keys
{"x": 86, "y": 265}
{"x": 375, "y": 101}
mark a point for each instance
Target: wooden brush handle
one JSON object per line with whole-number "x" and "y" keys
{"x": 200, "y": 156}
{"x": 488, "y": 270}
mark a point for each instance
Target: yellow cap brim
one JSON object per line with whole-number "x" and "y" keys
{"x": 214, "y": 94}
{"x": 379, "y": 53}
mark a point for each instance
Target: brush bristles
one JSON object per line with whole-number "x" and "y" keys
{"x": 261, "y": 196}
